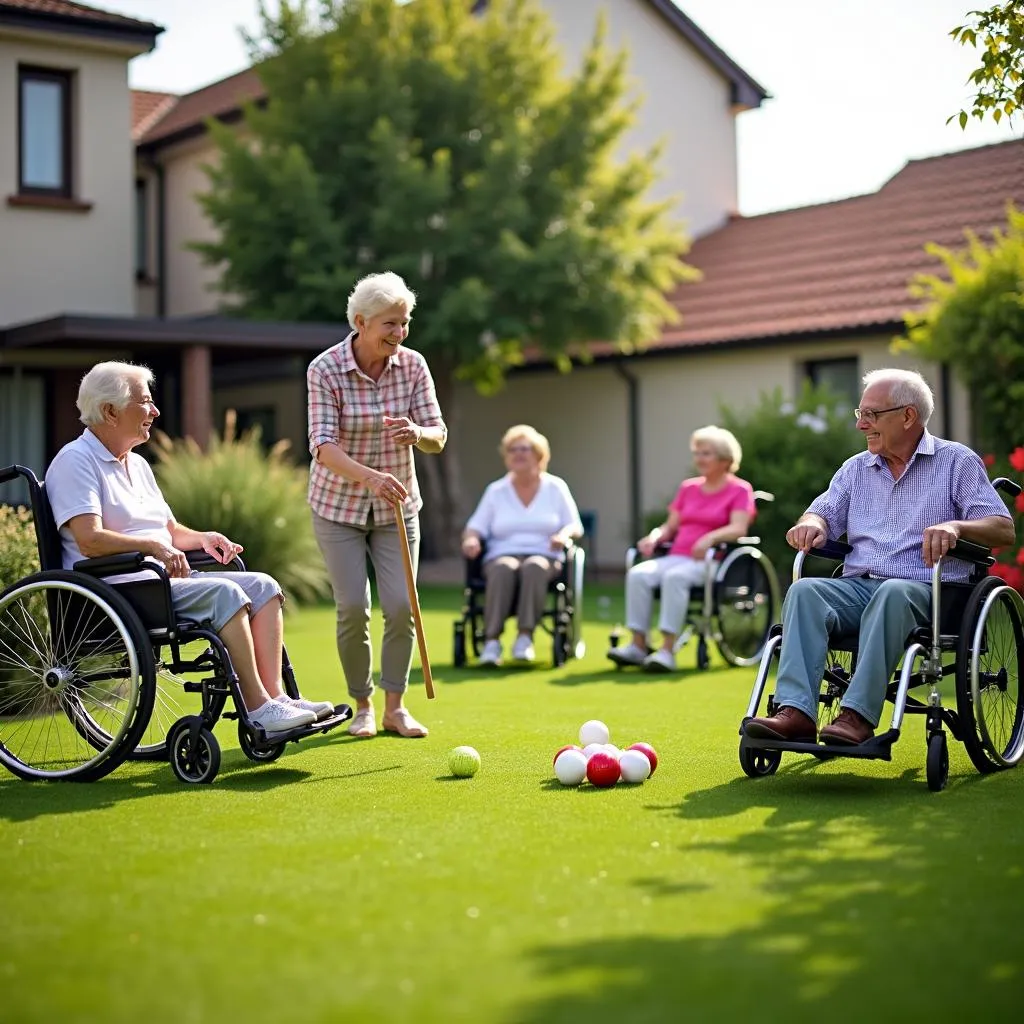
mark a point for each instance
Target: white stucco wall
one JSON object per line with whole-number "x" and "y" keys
{"x": 686, "y": 104}
{"x": 55, "y": 261}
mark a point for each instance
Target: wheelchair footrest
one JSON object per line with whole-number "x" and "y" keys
{"x": 877, "y": 748}
{"x": 342, "y": 713}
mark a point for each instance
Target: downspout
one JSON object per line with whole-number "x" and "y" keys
{"x": 161, "y": 236}
{"x": 633, "y": 438}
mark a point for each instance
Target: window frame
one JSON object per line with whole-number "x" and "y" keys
{"x": 811, "y": 371}
{"x": 34, "y": 73}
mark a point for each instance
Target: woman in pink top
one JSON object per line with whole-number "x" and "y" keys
{"x": 708, "y": 509}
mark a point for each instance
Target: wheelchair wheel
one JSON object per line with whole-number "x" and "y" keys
{"x": 459, "y": 645}
{"x": 756, "y": 764}
{"x": 746, "y": 603}
{"x": 258, "y": 752}
{"x": 193, "y": 760}
{"x": 839, "y": 666}
{"x": 989, "y": 660}
{"x": 937, "y": 764}
{"x": 76, "y": 677}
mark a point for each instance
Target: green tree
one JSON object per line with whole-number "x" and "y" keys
{"x": 974, "y": 321}
{"x": 998, "y": 33}
{"x": 452, "y": 148}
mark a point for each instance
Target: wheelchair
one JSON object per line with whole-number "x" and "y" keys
{"x": 562, "y": 619}
{"x": 976, "y": 635}
{"x": 737, "y": 606}
{"x": 92, "y": 673}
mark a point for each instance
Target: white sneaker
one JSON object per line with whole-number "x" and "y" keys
{"x": 660, "y": 661}
{"x": 491, "y": 654}
{"x": 522, "y": 649}
{"x": 276, "y": 717}
{"x": 631, "y": 654}
{"x": 320, "y": 708}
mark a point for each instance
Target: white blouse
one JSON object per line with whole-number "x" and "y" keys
{"x": 511, "y": 528}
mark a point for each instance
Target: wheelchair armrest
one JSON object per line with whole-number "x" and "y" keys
{"x": 1006, "y": 486}
{"x": 114, "y": 565}
{"x": 835, "y": 550}
{"x": 633, "y": 556}
{"x": 969, "y": 551}
{"x": 207, "y": 563}
{"x": 740, "y": 542}
{"x": 763, "y": 496}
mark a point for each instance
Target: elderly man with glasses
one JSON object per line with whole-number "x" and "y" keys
{"x": 902, "y": 504}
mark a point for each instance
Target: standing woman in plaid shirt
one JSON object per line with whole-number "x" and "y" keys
{"x": 371, "y": 401}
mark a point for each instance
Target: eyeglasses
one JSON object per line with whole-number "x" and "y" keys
{"x": 518, "y": 448}
{"x": 870, "y": 415}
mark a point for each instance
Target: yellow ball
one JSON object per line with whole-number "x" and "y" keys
{"x": 463, "y": 762}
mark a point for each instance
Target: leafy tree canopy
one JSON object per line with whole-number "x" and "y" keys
{"x": 452, "y": 148}
{"x": 998, "y": 34}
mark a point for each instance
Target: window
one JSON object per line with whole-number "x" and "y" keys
{"x": 840, "y": 376}
{"x": 141, "y": 230}
{"x": 264, "y": 418}
{"x": 44, "y": 132}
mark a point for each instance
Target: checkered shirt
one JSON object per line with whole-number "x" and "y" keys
{"x": 347, "y": 407}
{"x": 884, "y": 519}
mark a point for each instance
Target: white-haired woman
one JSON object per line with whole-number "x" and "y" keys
{"x": 710, "y": 508}
{"x": 526, "y": 520}
{"x": 105, "y": 501}
{"x": 371, "y": 401}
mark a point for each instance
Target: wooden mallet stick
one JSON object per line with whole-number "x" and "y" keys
{"x": 414, "y": 600}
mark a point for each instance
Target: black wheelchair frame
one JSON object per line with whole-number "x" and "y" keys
{"x": 729, "y": 586}
{"x": 126, "y": 636}
{"x": 963, "y": 623}
{"x": 562, "y": 619}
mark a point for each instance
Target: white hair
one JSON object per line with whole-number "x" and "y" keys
{"x": 906, "y": 387}
{"x": 723, "y": 442}
{"x": 109, "y": 384}
{"x": 377, "y": 292}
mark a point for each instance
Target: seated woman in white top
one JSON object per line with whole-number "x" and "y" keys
{"x": 523, "y": 524}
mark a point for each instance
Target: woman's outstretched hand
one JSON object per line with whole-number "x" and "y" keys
{"x": 402, "y": 430}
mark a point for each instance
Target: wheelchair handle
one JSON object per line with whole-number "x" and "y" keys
{"x": 13, "y": 472}
{"x": 1007, "y": 486}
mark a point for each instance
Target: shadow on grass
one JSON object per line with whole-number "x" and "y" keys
{"x": 863, "y": 898}
{"x": 628, "y": 676}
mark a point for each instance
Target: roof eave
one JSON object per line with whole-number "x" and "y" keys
{"x": 143, "y": 36}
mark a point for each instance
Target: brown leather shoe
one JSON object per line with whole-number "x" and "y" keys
{"x": 787, "y": 724}
{"x": 849, "y": 729}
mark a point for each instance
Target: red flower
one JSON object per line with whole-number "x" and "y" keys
{"x": 1020, "y": 557}
{"x": 1017, "y": 459}
{"x": 989, "y": 460}
{"x": 1015, "y": 578}
{"x": 1000, "y": 569}
{"x": 1018, "y": 502}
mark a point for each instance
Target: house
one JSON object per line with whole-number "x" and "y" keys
{"x": 814, "y": 293}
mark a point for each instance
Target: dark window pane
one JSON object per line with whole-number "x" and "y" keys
{"x": 141, "y": 230}
{"x": 42, "y": 133}
{"x": 840, "y": 376}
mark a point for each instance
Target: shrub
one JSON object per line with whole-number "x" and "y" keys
{"x": 1010, "y": 561}
{"x": 18, "y": 553}
{"x": 791, "y": 449}
{"x": 255, "y": 497}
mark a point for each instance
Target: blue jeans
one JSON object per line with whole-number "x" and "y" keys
{"x": 883, "y": 612}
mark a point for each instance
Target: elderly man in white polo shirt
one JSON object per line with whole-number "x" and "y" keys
{"x": 902, "y": 504}
{"x": 106, "y": 501}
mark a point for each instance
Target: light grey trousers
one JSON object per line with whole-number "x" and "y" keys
{"x": 882, "y": 612}
{"x": 532, "y": 573}
{"x": 345, "y": 549}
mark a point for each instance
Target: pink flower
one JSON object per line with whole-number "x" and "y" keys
{"x": 989, "y": 460}
{"x": 1017, "y": 459}
{"x": 1018, "y": 502}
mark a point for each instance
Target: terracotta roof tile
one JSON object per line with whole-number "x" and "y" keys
{"x": 148, "y": 108}
{"x": 214, "y": 100}
{"x": 842, "y": 265}
{"x": 67, "y": 9}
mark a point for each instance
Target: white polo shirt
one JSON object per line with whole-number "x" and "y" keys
{"x": 85, "y": 477}
{"x": 511, "y": 528}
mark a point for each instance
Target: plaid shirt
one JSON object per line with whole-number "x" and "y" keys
{"x": 347, "y": 407}
{"x": 884, "y": 519}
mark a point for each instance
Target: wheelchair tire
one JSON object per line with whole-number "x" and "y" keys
{"x": 757, "y": 764}
{"x": 937, "y": 763}
{"x": 989, "y": 664}
{"x": 258, "y": 752}
{"x": 196, "y": 762}
{"x": 746, "y": 605}
{"x": 840, "y": 666}
{"x": 74, "y": 699}
{"x": 459, "y": 645}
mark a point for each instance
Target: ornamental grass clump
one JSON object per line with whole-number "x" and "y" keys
{"x": 256, "y": 497}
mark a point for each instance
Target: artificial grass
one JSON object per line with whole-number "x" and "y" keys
{"x": 356, "y": 880}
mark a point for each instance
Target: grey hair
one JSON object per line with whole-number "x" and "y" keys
{"x": 722, "y": 441}
{"x": 109, "y": 384}
{"x": 906, "y": 387}
{"x": 375, "y": 293}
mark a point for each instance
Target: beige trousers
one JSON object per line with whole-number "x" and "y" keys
{"x": 531, "y": 574}
{"x": 345, "y": 548}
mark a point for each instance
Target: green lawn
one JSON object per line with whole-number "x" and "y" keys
{"x": 355, "y": 880}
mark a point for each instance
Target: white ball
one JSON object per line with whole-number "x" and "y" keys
{"x": 571, "y": 767}
{"x": 634, "y": 766}
{"x": 594, "y": 732}
{"x": 591, "y": 749}
{"x": 612, "y": 749}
